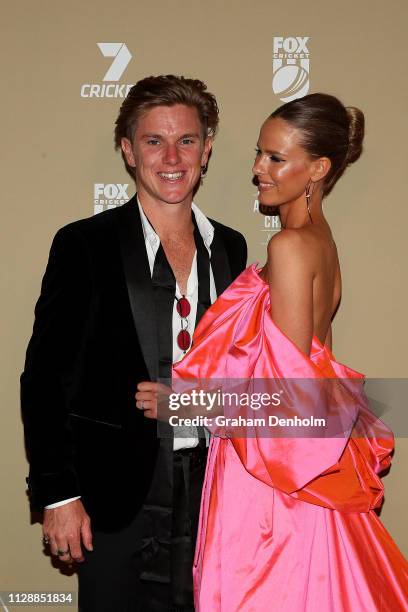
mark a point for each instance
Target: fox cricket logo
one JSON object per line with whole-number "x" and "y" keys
{"x": 270, "y": 224}
{"x": 109, "y": 195}
{"x": 110, "y": 88}
{"x": 291, "y": 67}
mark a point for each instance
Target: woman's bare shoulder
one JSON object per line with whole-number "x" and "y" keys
{"x": 291, "y": 246}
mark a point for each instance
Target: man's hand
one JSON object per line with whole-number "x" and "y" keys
{"x": 147, "y": 395}
{"x": 64, "y": 528}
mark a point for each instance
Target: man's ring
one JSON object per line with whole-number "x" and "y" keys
{"x": 141, "y": 404}
{"x": 61, "y": 553}
{"x": 45, "y": 541}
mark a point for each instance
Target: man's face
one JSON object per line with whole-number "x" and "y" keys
{"x": 167, "y": 153}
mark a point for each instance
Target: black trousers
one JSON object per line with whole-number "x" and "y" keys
{"x": 111, "y": 577}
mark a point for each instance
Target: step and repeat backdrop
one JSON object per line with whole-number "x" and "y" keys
{"x": 66, "y": 70}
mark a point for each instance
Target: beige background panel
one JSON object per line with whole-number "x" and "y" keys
{"x": 58, "y": 145}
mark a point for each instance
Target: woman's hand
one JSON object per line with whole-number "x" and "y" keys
{"x": 148, "y": 395}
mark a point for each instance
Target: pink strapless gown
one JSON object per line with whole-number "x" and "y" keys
{"x": 288, "y": 524}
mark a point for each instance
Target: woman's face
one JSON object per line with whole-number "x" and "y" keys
{"x": 282, "y": 166}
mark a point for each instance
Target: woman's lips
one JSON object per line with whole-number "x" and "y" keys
{"x": 264, "y": 186}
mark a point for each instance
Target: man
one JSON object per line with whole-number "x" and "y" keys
{"x": 120, "y": 298}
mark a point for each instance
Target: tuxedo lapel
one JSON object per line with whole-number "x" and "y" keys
{"x": 220, "y": 264}
{"x": 139, "y": 282}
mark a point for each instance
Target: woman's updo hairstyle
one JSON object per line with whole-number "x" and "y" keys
{"x": 328, "y": 128}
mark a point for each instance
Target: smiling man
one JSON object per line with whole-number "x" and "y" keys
{"x": 121, "y": 296}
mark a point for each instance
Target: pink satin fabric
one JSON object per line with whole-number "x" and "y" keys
{"x": 288, "y": 524}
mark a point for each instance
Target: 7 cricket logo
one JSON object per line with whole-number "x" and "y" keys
{"x": 122, "y": 57}
{"x": 110, "y": 88}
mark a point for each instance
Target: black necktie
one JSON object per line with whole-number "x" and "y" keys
{"x": 203, "y": 273}
{"x": 164, "y": 291}
{"x": 204, "y": 295}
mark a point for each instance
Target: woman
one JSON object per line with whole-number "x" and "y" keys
{"x": 289, "y": 524}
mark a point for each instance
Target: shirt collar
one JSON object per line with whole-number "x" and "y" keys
{"x": 205, "y": 228}
{"x": 148, "y": 231}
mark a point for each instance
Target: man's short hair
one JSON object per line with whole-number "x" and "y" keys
{"x": 166, "y": 90}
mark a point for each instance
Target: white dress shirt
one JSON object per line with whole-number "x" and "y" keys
{"x": 152, "y": 241}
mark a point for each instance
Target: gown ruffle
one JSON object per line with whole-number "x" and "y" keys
{"x": 288, "y": 524}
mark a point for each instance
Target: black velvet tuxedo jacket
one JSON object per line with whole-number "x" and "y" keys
{"x": 94, "y": 339}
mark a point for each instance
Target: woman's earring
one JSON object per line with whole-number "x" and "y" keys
{"x": 309, "y": 193}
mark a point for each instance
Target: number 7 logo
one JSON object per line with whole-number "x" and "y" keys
{"x": 122, "y": 57}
